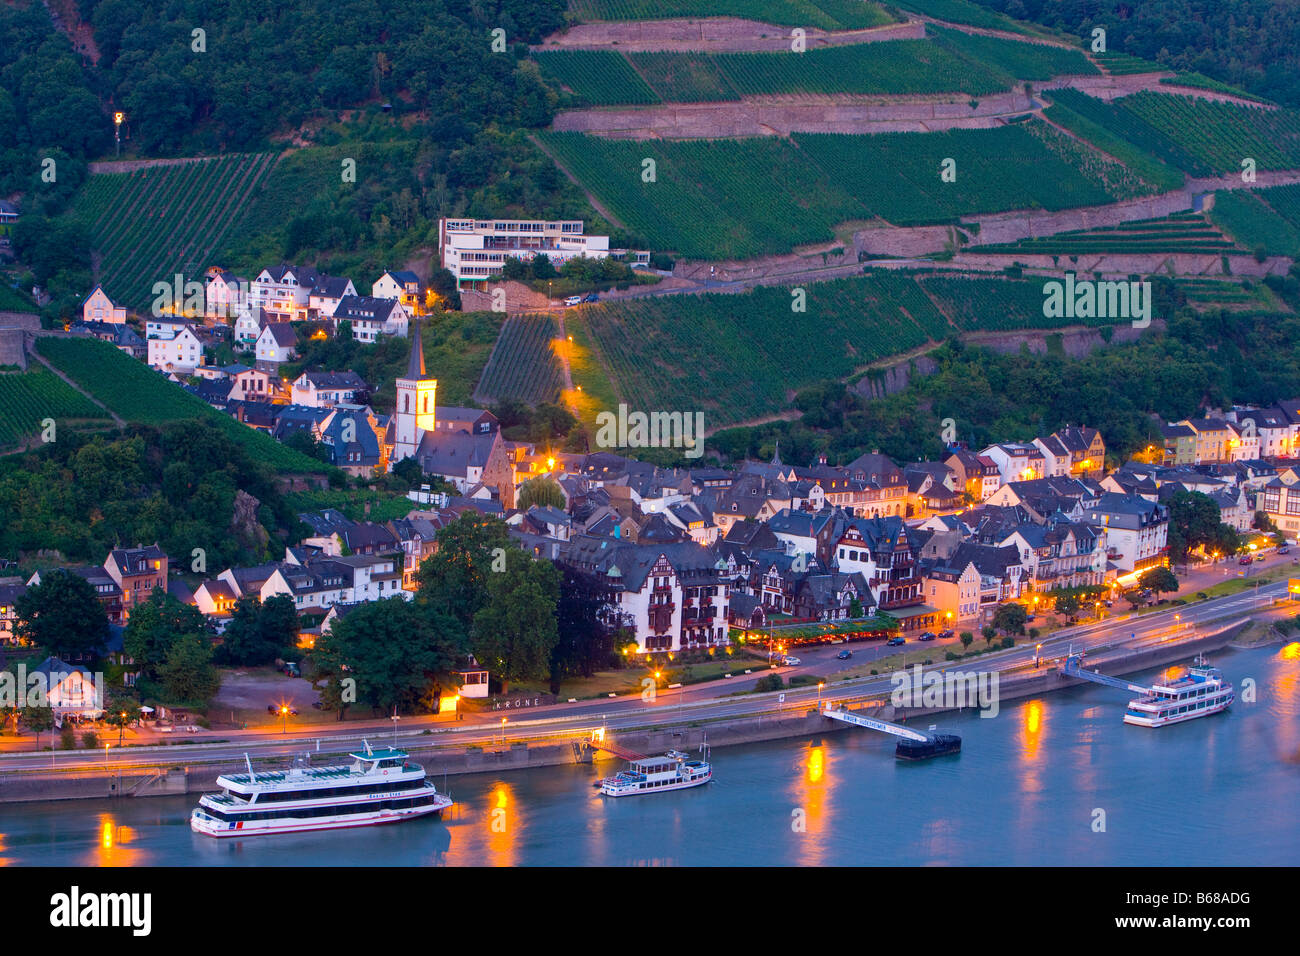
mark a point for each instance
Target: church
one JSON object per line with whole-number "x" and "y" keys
{"x": 463, "y": 446}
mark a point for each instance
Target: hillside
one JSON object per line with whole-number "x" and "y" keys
{"x": 137, "y": 393}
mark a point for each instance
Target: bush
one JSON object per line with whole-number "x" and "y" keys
{"x": 68, "y": 737}
{"x": 1008, "y": 642}
{"x": 950, "y": 656}
{"x": 769, "y": 683}
{"x": 90, "y": 740}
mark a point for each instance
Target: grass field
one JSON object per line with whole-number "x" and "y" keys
{"x": 149, "y": 224}
{"x": 139, "y": 394}
{"x": 28, "y": 398}
{"x": 524, "y": 365}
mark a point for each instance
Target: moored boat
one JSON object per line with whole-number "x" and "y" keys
{"x": 673, "y": 771}
{"x": 379, "y": 786}
{"x": 1201, "y": 691}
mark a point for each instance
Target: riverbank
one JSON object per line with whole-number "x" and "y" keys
{"x": 171, "y": 777}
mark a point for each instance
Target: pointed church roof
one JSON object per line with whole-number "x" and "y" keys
{"x": 415, "y": 367}
{"x": 776, "y": 455}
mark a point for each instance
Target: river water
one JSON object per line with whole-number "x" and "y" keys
{"x": 1029, "y": 788}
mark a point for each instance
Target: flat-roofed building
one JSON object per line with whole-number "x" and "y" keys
{"x": 473, "y": 249}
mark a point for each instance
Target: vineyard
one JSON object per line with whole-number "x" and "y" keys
{"x": 995, "y": 304}
{"x": 1218, "y": 293}
{"x": 28, "y": 398}
{"x": 897, "y": 175}
{"x": 599, "y": 77}
{"x": 11, "y": 300}
{"x": 1220, "y": 135}
{"x": 152, "y": 223}
{"x": 524, "y": 365}
{"x": 1123, "y": 123}
{"x": 1020, "y": 61}
{"x": 950, "y": 62}
{"x": 710, "y": 198}
{"x": 139, "y": 394}
{"x": 1203, "y": 82}
{"x": 1125, "y": 64}
{"x": 963, "y": 12}
{"x": 823, "y": 14}
{"x": 718, "y": 199}
{"x": 1162, "y": 176}
{"x": 1267, "y": 220}
{"x": 736, "y": 357}
{"x": 1182, "y": 232}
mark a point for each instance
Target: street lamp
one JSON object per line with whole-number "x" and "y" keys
{"x": 1038, "y": 650}
{"x": 503, "y": 731}
{"x": 820, "y": 685}
{"x": 121, "y": 723}
{"x": 284, "y": 712}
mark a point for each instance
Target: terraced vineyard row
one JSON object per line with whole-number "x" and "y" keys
{"x": 1019, "y": 61}
{"x": 149, "y": 224}
{"x": 524, "y": 365}
{"x": 28, "y": 398}
{"x": 963, "y": 12}
{"x": 1125, "y": 64}
{"x": 137, "y": 393}
{"x": 1184, "y": 233}
{"x": 702, "y": 345}
{"x": 823, "y": 14}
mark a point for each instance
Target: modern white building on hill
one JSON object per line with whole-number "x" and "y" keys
{"x": 473, "y": 249}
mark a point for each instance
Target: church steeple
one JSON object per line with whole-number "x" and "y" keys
{"x": 415, "y": 366}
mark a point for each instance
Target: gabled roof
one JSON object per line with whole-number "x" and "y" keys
{"x": 365, "y": 308}
{"x": 282, "y": 333}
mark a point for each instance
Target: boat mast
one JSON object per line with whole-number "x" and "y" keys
{"x": 252, "y": 777}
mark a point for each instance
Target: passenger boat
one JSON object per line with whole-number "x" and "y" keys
{"x": 379, "y": 786}
{"x": 1202, "y": 690}
{"x": 673, "y": 771}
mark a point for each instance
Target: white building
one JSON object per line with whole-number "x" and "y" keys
{"x": 1137, "y": 530}
{"x": 175, "y": 348}
{"x": 326, "y": 389}
{"x": 1021, "y": 461}
{"x": 473, "y": 249}
{"x": 401, "y": 285}
{"x": 371, "y": 317}
{"x": 277, "y": 343}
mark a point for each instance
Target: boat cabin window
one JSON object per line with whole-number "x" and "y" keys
{"x": 394, "y": 762}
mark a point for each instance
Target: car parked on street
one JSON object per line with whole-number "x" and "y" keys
{"x": 573, "y": 300}
{"x": 928, "y": 636}
{"x": 895, "y": 641}
{"x": 844, "y": 655}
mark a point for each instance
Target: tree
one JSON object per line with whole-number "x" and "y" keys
{"x": 155, "y": 626}
{"x": 187, "y": 674}
{"x": 585, "y": 641}
{"x": 63, "y": 614}
{"x": 38, "y": 720}
{"x": 1194, "y": 522}
{"x": 1158, "y": 579}
{"x": 454, "y": 580}
{"x": 1011, "y": 618}
{"x": 542, "y": 491}
{"x": 394, "y": 649}
{"x": 967, "y": 638}
{"x": 989, "y": 633}
{"x": 515, "y": 632}
{"x": 259, "y": 632}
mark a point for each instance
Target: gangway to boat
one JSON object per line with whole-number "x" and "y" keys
{"x": 1073, "y": 667}
{"x": 598, "y": 742}
{"x": 914, "y": 745}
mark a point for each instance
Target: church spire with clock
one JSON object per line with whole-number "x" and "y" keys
{"x": 416, "y": 402}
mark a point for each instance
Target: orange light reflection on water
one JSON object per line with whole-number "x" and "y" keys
{"x": 809, "y": 811}
{"x": 501, "y": 823}
{"x": 113, "y": 846}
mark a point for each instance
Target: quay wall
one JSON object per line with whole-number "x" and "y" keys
{"x": 171, "y": 777}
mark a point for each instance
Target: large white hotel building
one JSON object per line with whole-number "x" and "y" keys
{"x": 473, "y": 249}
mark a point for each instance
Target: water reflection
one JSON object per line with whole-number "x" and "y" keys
{"x": 808, "y": 821}
{"x": 113, "y": 846}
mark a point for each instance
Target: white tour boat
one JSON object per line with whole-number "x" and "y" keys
{"x": 379, "y": 786}
{"x": 1202, "y": 690}
{"x": 673, "y": 771}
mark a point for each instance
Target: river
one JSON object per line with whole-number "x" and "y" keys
{"x": 1029, "y": 788}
